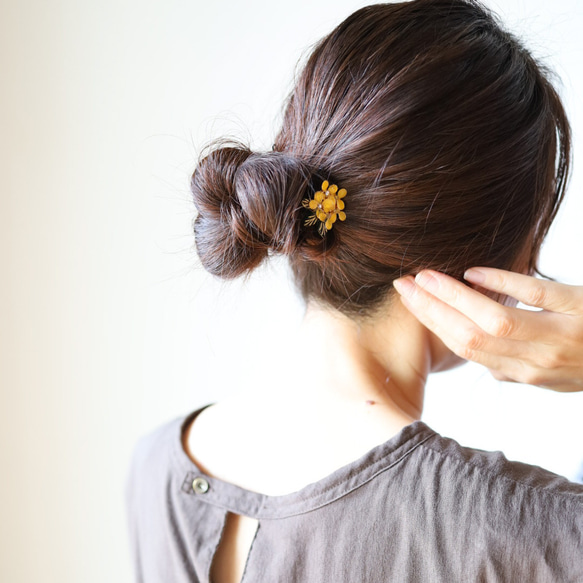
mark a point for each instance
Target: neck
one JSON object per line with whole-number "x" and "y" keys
{"x": 341, "y": 369}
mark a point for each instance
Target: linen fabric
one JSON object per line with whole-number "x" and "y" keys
{"x": 419, "y": 507}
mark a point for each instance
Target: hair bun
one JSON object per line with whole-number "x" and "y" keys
{"x": 248, "y": 203}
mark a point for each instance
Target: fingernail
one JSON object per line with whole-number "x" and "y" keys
{"x": 404, "y": 285}
{"x": 427, "y": 281}
{"x": 475, "y": 275}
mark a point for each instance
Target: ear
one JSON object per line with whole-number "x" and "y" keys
{"x": 442, "y": 357}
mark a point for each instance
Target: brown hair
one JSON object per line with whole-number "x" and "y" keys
{"x": 448, "y": 135}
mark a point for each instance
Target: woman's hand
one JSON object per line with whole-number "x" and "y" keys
{"x": 542, "y": 348}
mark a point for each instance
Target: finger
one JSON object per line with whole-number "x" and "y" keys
{"x": 540, "y": 348}
{"x": 549, "y": 295}
{"x": 497, "y": 320}
{"x": 517, "y": 361}
{"x": 459, "y": 333}
{"x": 509, "y": 368}
{"x": 560, "y": 381}
{"x": 463, "y": 337}
{"x": 503, "y": 366}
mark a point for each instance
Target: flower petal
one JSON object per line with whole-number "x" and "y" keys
{"x": 342, "y": 215}
{"x": 329, "y": 205}
{"x": 325, "y": 185}
{"x": 342, "y": 193}
{"x": 333, "y": 188}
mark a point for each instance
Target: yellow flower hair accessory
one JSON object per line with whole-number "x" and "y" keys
{"x": 327, "y": 205}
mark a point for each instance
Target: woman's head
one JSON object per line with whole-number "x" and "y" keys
{"x": 447, "y": 134}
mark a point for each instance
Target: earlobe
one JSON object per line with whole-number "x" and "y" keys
{"x": 450, "y": 362}
{"x": 442, "y": 357}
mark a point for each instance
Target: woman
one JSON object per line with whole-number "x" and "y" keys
{"x": 420, "y": 138}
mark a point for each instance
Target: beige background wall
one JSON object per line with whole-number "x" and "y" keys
{"x": 109, "y": 327}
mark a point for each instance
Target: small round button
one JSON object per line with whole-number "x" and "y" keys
{"x": 200, "y": 485}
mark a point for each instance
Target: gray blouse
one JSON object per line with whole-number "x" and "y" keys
{"x": 419, "y": 507}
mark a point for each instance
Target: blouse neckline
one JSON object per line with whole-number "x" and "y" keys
{"x": 340, "y": 482}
